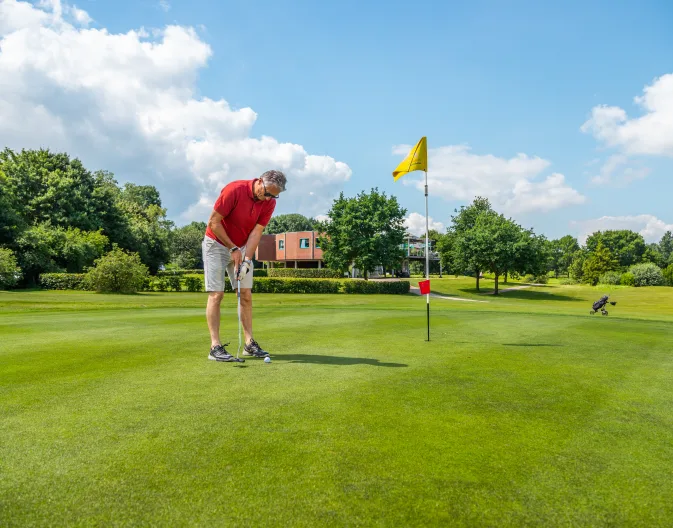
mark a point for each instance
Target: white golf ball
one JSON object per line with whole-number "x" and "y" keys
{"x": 267, "y": 360}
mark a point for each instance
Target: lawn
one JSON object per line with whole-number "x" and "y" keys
{"x": 522, "y": 410}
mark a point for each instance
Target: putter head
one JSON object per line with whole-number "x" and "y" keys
{"x": 238, "y": 360}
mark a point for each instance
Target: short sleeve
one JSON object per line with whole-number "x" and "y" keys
{"x": 267, "y": 213}
{"x": 225, "y": 201}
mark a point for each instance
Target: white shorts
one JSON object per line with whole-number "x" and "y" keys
{"x": 216, "y": 261}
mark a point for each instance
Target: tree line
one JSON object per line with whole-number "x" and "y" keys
{"x": 57, "y": 216}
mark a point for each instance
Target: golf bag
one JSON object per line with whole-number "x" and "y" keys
{"x": 600, "y": 305}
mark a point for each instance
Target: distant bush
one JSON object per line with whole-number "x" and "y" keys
{"x": 647, "y": 274}
{"x": 540, "y": 279}
{"x": 568, "y": 281}
{"x": 529, "y": 278}
{"x": 303, "y": 273}
{"x": 63, "y": 281}
{"x": 388, "y": 287}
{"x": 272, "y": 285}
{"x": 179, "y": 272}
{"x": 160, "y": 284}
{"x": 611, "y": 277}
{"x": 117, "y": 272}
{"x": 627, "y": 279}
{"x": 174, "y": 283}
{"x": 668, "y": 275}
{"x": 10, "y": 272}
{"x": 194, "y": 284}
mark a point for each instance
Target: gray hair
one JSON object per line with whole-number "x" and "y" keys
{"x": 275, "y": 177}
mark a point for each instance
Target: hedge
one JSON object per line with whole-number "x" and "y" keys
{"x": 388, "y": 287}
{"x": 179, "y": 273}
{"x": 304, "y": 273}
{"x": 76, "y": 281}
{"x": 63, "y": 281}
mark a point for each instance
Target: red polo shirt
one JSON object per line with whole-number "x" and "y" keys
{"x": 241, "y": 211}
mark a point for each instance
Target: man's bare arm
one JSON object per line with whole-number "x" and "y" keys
{"x": 215, "y": 224}
{"x": 253, "y": 241}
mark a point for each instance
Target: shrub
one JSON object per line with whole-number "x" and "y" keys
{"x": 63, "y": 281}
{"x": 117, "y": 272}
{"x": 174, "y": 283}
{"x": 305, "y": 273}
{"x": 542, "y": 279}
{"x": 627, "y": 279}
{"x": 529, "y": 278}
{"x": 647, "y": 274}
{"x": 611, "y": 277}
{"x": 272, "y": 285}
{"x": 161, "y": 284}
{"x": 567, "y": 281}
{"x": 10, "y": 272}
{"x": 147, "y": 284}
{"x": 387, "y": 287}
{"x": 668, "y": 275}
{"x": 179, "y": 272}
{"x": 194, "y": 284}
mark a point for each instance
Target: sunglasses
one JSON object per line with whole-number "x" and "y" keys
{"x": 268, "y": 193}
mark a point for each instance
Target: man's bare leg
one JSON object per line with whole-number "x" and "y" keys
{"x": 246, "y": 313}
{"x": 213, "y": 317}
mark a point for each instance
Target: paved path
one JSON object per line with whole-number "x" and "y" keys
{"x": 417, "y": 291}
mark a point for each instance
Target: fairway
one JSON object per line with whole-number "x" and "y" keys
{"x": 523, "y": 410}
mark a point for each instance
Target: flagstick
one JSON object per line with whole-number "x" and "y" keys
{"x": 427, "y": 250}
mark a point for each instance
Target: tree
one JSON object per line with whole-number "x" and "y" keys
{"x": 185, "y": 243}
{"x": 461, "y": 223}
{"x": 10, "y": 273}
{"x": 576, "y": 268}
{"x": 666, "y": 246}
{"x": 288, "y": 223}
{"x": 561, "y": 253}
{"x": 599, "y": 262}
{"x": 626, "y": 246}
{"x": 367, "y": 230}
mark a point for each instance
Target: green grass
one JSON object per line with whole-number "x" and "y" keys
{"x": 521, "y": 411}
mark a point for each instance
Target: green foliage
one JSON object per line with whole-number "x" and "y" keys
{"x": 624, "y": 245}
{"x": 666, "y": 247}
{"x": 627, "y": 279}
{"x": 174, "y": 283}
{"x": 185, "y": 244}
{"x": 611, "y": 277}
{"x": 64, "y": 281}
{"x": 288, "y": 223}
{"x": 668, "y": 275}
{"x": 194, "y": 284}
{"x": 304, "y": 273}
{"x": 367, "y": 230}
{"x": 118, "y": 272}
{"x": 567, "y": 282}
{"x": 181, "y": 272}
{"x": 562, "y": 252}
{"x": 597, "y": 263}
{"x": 647, "y": 274}
{"x": 273, "y": 285}
{"x": 161, "y": 284}
{"x": 576, "y": 269}
{"x": 377, "y": 287}
{"x": 10, "y": 272}
{"x": 43, "y": 191}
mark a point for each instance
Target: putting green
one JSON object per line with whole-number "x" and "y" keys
{"x": 523, "y": 410}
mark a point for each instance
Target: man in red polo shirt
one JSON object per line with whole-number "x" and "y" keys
{"x": 235, "y": 228}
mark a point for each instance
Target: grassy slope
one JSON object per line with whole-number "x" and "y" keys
{"x": 523, "y": 410}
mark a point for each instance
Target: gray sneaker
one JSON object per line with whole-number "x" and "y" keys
{"x": 253, "y": 349}
{"x": 219, "y": 353}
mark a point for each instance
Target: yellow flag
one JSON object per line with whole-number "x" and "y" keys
{"x": 417, "y": 159}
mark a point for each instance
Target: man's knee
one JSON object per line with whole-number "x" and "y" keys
{"x": 215, "y": 297}
{"x": 246, "y": 295}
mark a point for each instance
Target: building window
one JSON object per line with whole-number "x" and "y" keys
{"x": 303, "y": 243}
{"x": 317, "y": 243}
{"x": 281, "y": 244}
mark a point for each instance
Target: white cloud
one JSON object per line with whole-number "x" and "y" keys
{"x": 165, "y": 5}
{"x": 651, "y": 227}
{"x": 652, "y": 133}
{"x": 127, "y": 103}
{"x": 455, "y": 173}
{"x": 611, "y": 171}
{"x": 322, "y": 218}
{"x": 415, "y": 224}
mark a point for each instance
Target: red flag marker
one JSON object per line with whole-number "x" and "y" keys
{"x": 424, "y": 286}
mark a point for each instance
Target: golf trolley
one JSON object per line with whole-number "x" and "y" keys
{"x": 600, "y": 305}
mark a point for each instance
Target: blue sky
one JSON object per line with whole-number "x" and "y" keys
{"x": 350, "y": 82}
